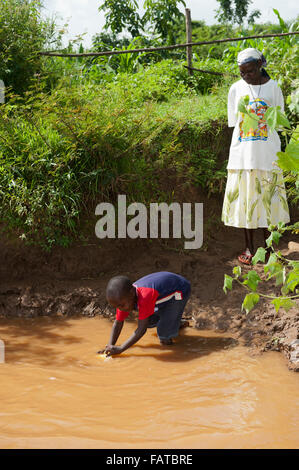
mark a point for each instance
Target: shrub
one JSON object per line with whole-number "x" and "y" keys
{"x": 61, "y": 153}
{"x": 22, "y": 35}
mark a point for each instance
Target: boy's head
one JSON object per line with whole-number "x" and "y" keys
{"x": 121, "y": 294}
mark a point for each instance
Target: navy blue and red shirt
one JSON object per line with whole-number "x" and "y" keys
{"x": 154, "y": 290}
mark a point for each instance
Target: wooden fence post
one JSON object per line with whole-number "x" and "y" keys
{"x": 188, "y": 40}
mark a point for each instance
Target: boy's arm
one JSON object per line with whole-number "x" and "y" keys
{"x": 138, "y": 333}
{"x": 115, "y": 332}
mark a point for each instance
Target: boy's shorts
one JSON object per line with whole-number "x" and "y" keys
{"x": 168, "y": 317}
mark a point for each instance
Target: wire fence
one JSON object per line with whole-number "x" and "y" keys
{"x": 161, "y": 48}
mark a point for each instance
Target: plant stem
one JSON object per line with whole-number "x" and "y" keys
{"x": 265, "y": 295}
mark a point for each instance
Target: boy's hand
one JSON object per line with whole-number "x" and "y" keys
{"x": 102, "y": 351}
{"x": 111, "y": 350}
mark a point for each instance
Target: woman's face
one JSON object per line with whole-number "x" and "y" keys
{"x": 251, "y": 72}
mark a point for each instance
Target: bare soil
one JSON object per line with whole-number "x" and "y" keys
{"x": 71, "y": 281}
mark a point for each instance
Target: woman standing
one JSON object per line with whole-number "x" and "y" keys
{"x": 255, "y": 195}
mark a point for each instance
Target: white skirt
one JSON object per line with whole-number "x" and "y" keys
{"x": 254, "y": 198}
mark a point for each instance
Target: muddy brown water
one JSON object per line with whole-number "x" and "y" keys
{"x": 206, "y": 391}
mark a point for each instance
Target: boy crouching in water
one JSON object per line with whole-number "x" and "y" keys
{"x": 160, "y": 299}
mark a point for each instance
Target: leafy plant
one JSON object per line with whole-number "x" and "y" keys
{"x": 160, "y": 16}
{"x": 163, "y": 16}
{"x": 122, "y": 14}
{"x": 23, "y": 33}
{"x": 284, "y": 271}
{"x": 236, "y": 11}
{"x": 128, "y": 63}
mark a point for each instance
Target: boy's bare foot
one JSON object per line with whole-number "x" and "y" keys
{"x": 166, "y": 341}
{"x": 184, "y": 324}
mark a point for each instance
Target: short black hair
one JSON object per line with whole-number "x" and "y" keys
{"x": 118, "y": 287}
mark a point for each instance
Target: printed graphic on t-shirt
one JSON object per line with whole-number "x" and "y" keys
{"x": 258, "y": 107}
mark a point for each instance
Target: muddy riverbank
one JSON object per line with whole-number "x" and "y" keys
{"x": 71, "y": 281}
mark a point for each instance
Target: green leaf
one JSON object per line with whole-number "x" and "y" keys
{"x": 260, "y": 255}
{"x": 270, "y": 117}
{"x": 251, "y": 280}
{"x": 292, "y": 280}
{"x": 249, "y": 123}
{"x": 284, "y": 290}
{"x": 273, "y": 267}
{"x": 281, "y": 226}
{"x": 283, "y": 25}
{"x": 272, "y": 259}
{"x": 295, "y": 264}
{"x": 228, "y": 283}
{"x": 237, "y": 271}
{"x": 275, "y": 118}
{"x": 280, "y": 277}
{"x": 250, "y": 301}
{"x": 274, "y": 237}
{"x": 274, "y": 270}
{"x": 282, "y": 120}
{"x": 242, "y": 104}
{"x": 289, "y": 159}
{"x": 283, "y": 302}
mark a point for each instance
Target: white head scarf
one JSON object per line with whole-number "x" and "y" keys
{"x": 250, "y": 54}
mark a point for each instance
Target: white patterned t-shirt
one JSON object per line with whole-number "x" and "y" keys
{"x": 257, "y": 148}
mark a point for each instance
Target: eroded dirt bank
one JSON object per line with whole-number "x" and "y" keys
{"x": 72, "y": 282}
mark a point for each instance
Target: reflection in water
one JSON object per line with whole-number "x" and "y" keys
{"x": 188, "y": 347}
{"x": 205, "y": 391}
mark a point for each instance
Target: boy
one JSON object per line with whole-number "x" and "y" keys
{"x": 159, "y": 298}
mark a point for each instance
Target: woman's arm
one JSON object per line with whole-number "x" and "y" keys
{"x": 138, "y": 333}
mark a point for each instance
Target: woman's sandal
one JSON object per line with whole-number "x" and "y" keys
{"x": 245, "y": 258}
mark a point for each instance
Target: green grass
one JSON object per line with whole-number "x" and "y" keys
{"x": 65, "y": 151}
